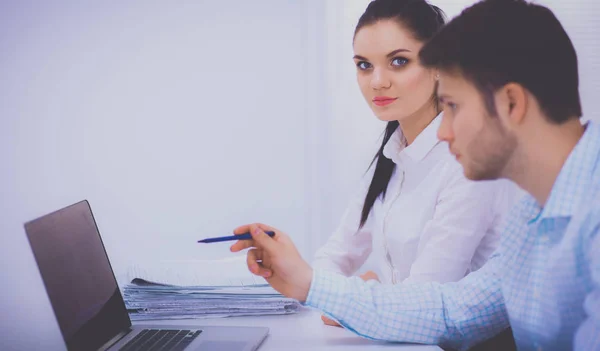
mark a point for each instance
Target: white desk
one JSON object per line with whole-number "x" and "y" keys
{"x": 304, "y": 331}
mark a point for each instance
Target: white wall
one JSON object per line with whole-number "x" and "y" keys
{"x": 176, "y": 120}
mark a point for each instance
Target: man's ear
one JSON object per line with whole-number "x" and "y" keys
{"x": 511, "y": 104}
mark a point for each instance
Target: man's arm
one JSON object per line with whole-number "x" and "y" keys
{"x": 588, "y": 334}
{"x": 457, "y": 315}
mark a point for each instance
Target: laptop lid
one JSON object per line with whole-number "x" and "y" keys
{"x": 78, "y": 277}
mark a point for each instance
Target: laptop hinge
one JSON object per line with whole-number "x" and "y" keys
{"x": 114, "y": 340}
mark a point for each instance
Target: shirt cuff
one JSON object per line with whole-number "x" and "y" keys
{"x": 324, "y": 288}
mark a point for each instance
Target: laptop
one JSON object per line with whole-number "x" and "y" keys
{"x": 87, "y": 301}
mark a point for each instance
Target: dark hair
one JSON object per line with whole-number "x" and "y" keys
{"x": 423, "y": 20}
{"x": 496, "y": 42}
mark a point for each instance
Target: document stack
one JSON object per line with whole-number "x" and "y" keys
{"x": 169, "y": 290}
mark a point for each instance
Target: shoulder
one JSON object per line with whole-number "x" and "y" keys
{"x": 586, "y": 222}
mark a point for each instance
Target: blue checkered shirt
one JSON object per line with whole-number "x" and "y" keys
{"x": 543, "y": 281}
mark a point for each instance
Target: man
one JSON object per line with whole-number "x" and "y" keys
{"x": 509, "y": 86}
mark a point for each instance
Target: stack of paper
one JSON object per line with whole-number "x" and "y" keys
{"x": 157, "y": 292}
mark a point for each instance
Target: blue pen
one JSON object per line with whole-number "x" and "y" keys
{"x": 245, "y": 236}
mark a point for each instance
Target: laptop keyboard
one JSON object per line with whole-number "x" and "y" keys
{"x": 163, "y": 340}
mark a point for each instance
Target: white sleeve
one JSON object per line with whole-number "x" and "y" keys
{"x": 464, "y": 214}
{"x": 349, "y": 247}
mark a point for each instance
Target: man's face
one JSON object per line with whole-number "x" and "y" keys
{"x": 478, "y": 140}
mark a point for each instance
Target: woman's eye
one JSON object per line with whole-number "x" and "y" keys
{"x": 451, "y": 105}
{"x": 399, "y": 61}
{"x": 362, "y": 65}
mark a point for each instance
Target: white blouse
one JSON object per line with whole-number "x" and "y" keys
{"x": 433, "y": 225}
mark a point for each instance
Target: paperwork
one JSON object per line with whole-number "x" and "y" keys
{"x": 178, "y": 290}
{"x": 230, "y": 271}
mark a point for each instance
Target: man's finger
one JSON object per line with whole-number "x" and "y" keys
{"x": 262, "y": 240}
{"x": 242, "y": 245}
{"x": 253, "y": 259}
{"x": 242, "y": 229}
{"x": 246, "y": 228}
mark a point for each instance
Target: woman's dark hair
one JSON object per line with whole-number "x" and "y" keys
{"x": 423, "y": 20}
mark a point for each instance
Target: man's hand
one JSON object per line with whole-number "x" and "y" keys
{"x": 370, "y": 275}
{"x": 276, "y": 259}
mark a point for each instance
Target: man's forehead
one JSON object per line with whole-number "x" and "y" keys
{"x": 451, "y": 82}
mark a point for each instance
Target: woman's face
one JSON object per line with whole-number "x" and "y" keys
{"x": 390, "y": 76}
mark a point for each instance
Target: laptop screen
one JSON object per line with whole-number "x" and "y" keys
{"x": 78, "y": 277}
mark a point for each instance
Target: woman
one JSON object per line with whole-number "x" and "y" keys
{"x": 416, "y": 216}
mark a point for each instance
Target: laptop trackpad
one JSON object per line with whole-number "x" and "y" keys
{"x": 222, "y": 345}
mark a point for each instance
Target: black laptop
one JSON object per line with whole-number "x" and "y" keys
{"x": 87, "y": 302}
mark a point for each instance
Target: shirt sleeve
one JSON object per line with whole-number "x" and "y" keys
{"x": 457, "y": 315}
{"x": 588, "y": 334}
{"x": 349, "y": 246}
{"x": 464, "y": 215}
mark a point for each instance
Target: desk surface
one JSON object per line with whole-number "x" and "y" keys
{"x": 303, "y": 331}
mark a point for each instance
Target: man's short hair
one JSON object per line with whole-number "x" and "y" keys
{"x": 496, "y": 42}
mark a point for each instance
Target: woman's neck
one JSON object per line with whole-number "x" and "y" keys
{"x": 414, "y": 124}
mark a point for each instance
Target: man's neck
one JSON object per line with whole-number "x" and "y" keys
{"x": 542, "y": 156}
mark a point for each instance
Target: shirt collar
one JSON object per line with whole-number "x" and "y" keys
{"x": 575, "y": 177}
{"x": 420, "y": 147}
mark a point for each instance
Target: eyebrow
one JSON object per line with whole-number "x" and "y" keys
{"x": 396, "y": 51}
{"x": 358, "y": 57}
